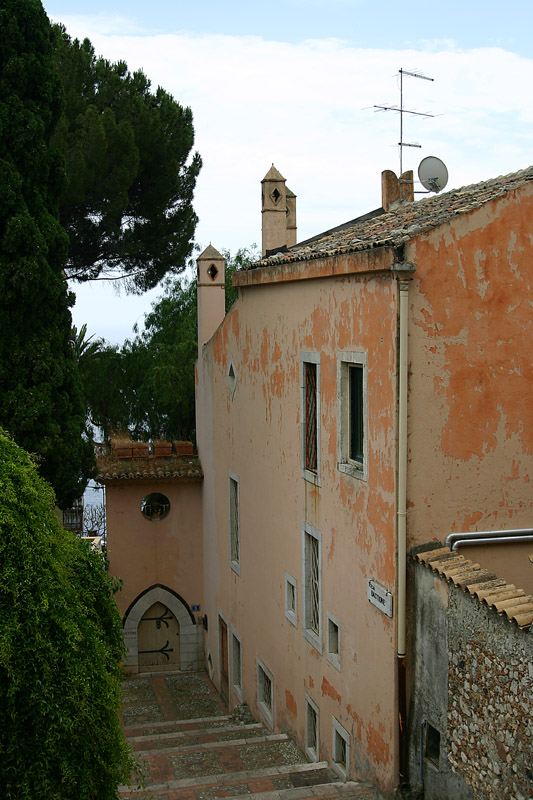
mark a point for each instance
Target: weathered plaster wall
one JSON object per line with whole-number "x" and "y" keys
{"x": 144, "y": 552}
{"x": 474, "y": 683}
{"x": 256, "y": 436}
{"x": 471, "y": 348}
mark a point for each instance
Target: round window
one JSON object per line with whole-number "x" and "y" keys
{"x": 155, "y": 506}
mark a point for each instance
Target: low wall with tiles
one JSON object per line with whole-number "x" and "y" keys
{"x": 471, "y": 714}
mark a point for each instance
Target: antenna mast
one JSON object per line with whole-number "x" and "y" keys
{"x": 401, "y": 111}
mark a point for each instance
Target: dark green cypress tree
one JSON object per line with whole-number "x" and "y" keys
{"x": 40, "y": 396}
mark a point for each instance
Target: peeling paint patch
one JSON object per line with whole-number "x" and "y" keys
{"x": 377, "y": 745}
{"x": 290, "y": 703}
{"x": 329, "y": 690}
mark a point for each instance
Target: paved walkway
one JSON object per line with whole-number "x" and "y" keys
{"x": 190, "y": 749}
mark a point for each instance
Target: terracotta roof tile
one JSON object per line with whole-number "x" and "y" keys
{"x": 497, "y": 594}
{"x": 403, "y": 223}
{"x": 185, "y": 468}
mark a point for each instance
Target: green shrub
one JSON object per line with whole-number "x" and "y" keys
{"x": 60, "y": 651}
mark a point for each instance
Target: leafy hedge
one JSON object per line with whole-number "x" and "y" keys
{"x": 60, "y": 651}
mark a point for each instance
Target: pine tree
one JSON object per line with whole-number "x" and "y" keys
{"x": 40, "y": 396}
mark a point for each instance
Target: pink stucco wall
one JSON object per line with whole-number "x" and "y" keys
{"x": 144, "y": 552}
{"x": 256, "y": 436}
{"x": 471, "y": 353}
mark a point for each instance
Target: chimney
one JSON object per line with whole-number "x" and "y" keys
{"x": 278, "y": 210}
{"x": 396, "y": 190}
{"x": 211, "y": 293}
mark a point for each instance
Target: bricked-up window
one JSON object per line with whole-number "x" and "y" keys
{"x": 312, "y": 586}
{"x": 234, "y": 524}
{"x": 310, "y": 416}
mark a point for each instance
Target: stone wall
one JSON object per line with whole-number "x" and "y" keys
{"x": 472, "y": 687}
{"x": 490, "y": 700}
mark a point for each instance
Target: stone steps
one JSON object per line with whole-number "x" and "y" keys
{"x": 188, "y": 751}
{"x": 195, "y": 736}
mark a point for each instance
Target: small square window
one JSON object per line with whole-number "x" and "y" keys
{"x": 340, "y": 749}
{"x": 311, "y": 729}
{"x": 352, "y": 437}
{"x": 291, "y": 599}
{"x": 334, "y": 641}
{"x": 265, "y": 692}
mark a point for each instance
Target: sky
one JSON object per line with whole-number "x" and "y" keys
{"x": 295, "y": 82}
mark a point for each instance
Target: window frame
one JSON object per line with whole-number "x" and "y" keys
{"x": 347, "y": 360}
{"x": 291, "y": 613}
{"x": 313, "y": 476}
{"x": 334, "y": 657}
{"x": 266, "y": 711}
{"x": 311, "y": 707}
{"x": 337, "y": 730}
{"x": 236, "y": 687}
{"x": 313, "y": 637}
{"x": 234, "y": 522}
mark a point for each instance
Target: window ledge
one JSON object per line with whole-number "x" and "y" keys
{"x": 313, "y": 639}
{"x": 350, "y": 468}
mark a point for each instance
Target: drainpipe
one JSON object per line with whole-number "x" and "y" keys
{"x": 455, "y": 540}
{"x": 403, "y": 270}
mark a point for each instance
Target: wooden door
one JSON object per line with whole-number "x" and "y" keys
{"x": 158, "y": 640}
{"x": 224, "y": 671}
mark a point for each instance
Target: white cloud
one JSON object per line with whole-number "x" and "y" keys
{"x": 307, "y": 107}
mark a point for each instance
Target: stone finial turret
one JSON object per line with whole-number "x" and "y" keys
{"x": 278, "y": 209}
{"x": 211, "y": 296}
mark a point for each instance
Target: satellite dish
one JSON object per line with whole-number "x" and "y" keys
{"x": 433, "y": 174}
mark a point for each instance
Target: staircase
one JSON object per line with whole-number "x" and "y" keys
{"x": 190, "y": 749}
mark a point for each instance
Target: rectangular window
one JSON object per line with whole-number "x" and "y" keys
{"x": 311, "y": 729}
{"x": 234, "y": 524}
{"x": 333, "y": 642}
{"x": 312, "y": 586}
{"x": 236, "y": 665}
{"x": 340, "y": 749}
{"x": 432, "y": 749}
{"x": 352, "y": 438}
{"x": 310, "y": 416}
{"x": 265, "y": 693}
{"x": 291, "y": 599}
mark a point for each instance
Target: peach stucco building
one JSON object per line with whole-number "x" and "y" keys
{"x": 367, "y": 392}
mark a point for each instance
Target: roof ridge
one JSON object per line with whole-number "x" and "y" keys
{"x": 398, "y": 226}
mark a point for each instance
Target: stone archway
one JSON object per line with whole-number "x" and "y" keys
{"x": 184, "y": 648}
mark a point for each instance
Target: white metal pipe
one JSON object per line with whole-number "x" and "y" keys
{"x": 454, "y": 540}
{"x": 402, "y": 465}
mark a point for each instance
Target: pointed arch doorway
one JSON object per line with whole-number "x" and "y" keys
{"x": 160, "y": 633}
{"x": 158, "y": 640}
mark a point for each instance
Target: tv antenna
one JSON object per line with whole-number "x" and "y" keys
{"x": 401, "y": 111}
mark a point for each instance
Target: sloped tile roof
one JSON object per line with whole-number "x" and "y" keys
{"x": 485, "y": 586}
{"x": 185, "y": 468}
{"x": 402, "y": 224}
